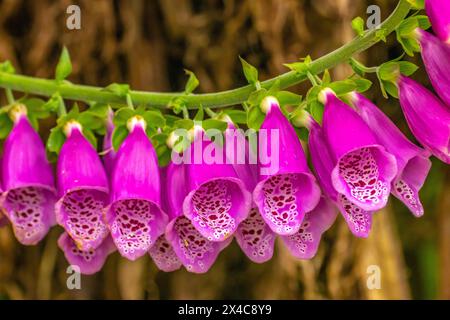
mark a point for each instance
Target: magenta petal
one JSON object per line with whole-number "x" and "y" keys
{"x": 358, "y": 220}
{"x": 439, "y": 13}
{"x": 28, "y": 181}
{"x": 255, "y": 238}
{"x": 363, "y": 169}
{"x": 304, "y": 243}
{"x": 175, "y": 189}
{"x": 436, "y": 57}
{"x": 413, "y": 163}
{"x": 164, "y": 256}
{"x": 284, "y": 196}
{"x": 83, "y": 186}
{"x": 89, "y": 261}
{"x": 195, "y": 252}
{"x": 134, "y": 217}
{"x": 217, "y": 200}
{"x": 427, "y": 117}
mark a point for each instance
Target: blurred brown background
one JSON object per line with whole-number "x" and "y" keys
{"x": 147, "y": 44}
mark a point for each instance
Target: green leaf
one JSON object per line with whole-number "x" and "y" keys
{"x": 256, "y": 97}
{"x": 255, "y": 117}
{"x": 237, "y": 116}
{"x": 326, "y": 78}
{"x": 423, "y": 22}
{"x": 122, "y": 115}
{"x": 388, "y": 71}
{"x": 214, "y": 124}
{"x": 5, "y": 125}
{"x": 171, "y": 119}
{"x": 362, "y": 85}
{"x": 35, "y": 107}
{"x": 154, "y": 119}
{"x": 90, "y": 121}
{"x": 316, "y": 110}
{"x": 99, "y": 109}
{"x": 192, "y": 82}
{"x": 300, "y": 67}
{"x": 250, "y": 72}
{"x": 120, "y": 90}
{"x": 90, "y": 136}
{"x": 417, "y": 4}
{"x": 407, "y": 68}
{"x": 64, "y": 67}
{"x": 119, "y": 134}
{"x": 200, "y": 115}
{"x": 358, "y": 26}
{"x": 7, "y": 67}
{"x": 52, "y": 104}
{"x": 184, "y": 124}
{"x": 164, "y": 154}
{"x": 391, "y": 88}
{"x": 55, "y": 140}
{"x": 287, "y": 98}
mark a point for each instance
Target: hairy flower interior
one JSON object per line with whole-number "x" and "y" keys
{"x": 360, "y": 171}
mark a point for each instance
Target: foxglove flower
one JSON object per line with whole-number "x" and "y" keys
{"x": 413, "y": 163}
{"x": 363, "y": 170}
{"x": 253, "y": 235}
{"x": 358, "y": 220}
{"x": 427, "y": 117}
{"x": 28, "y": 181}
{"x": 304, "y": 243}
{"x": 3, "y": 219}
{"x": 217, "y": 200}
{"x": 162, "y": 252}
{"x": 195, "y": 251}
{"x": 439, "y": 13}
{"x": 83, "y": 190}
{"x": 89, "y": 261}
{"x": 436, "y": 57}
{"x": 287, "y": 191}
{"x": 134, "y": 217}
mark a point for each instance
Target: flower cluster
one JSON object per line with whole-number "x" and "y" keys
{"x": 185, "y": 214}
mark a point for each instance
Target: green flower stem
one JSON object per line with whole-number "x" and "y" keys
{"x": 237, "y": 96}
{"x": 9, "y": 96}
{"x": 61, "y": 107}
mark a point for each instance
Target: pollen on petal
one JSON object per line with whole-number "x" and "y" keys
{"x": 30, "y": 210}
{"x": 255, "y": 238}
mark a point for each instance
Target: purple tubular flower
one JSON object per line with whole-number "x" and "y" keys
{"x": 108, "y": 150}
{"x": 196, "y": 253}
{"x": 89, "y": 261}
{"x": 413, "y": 163}
{"x": 436, "y": 57}
{"x": 83, "y": 190}
{"x": 304, "y": 243}
{"x": 217, "y": 200}
{"x": 358, "y": 220}
{"x": 427, "y": 117}
{"x": 439, "y": 13}
{"x": 363, "y": 169}
{"x": 30, "y": 194}
{"x": 164, "y": 256}
{"x": 283, "y": 194}
{"x": 134, "y": 217}
{"x": 253, "y": 235}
